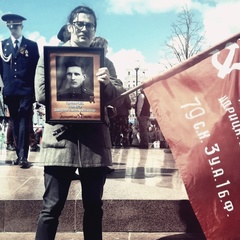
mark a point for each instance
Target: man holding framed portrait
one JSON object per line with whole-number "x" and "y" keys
{"x": 85, "y": 146}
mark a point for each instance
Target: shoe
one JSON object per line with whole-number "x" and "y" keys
{"x": 23, "y": 162}
{"x": 109, "y": 170}
{"x": 143, "y": 147}
{"x": 16, "y": 162}
{"x": 35, "y": 148}
{"x": 76, "y": 177}
{"x": 10, "y": 147}
{"x": 167, "y": 150}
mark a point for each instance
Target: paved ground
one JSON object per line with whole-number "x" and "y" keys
{"x": 139, "y": 175}
{"x": 107, "y": 236}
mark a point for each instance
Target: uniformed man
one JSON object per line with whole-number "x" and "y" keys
{"x": 19, "y": 57}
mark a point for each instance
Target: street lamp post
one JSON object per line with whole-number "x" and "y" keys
{"x": 136, "y": 69}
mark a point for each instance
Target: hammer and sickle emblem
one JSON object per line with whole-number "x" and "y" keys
{"x": 227, "y": 66}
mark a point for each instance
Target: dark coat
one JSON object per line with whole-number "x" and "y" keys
{"x": 123, "y": 110}
{"x": 82, "y": 145}
{"x": 18, "y": 73}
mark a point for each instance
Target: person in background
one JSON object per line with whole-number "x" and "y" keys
{"x": 86, "y": 146}
{"x": 130, "y": 133}
{"x": 9, "y": 138}
{"x": 32, "y": 140}
{"x": 112, "y": 112}
{"x": 135, "y": 135}
{"x": 34, "y": 147}
{"x": 143, "y": 113}
{"x": 121, "y": 126}
{"x": 100, "y": 42}
{"x": 63, "y": 34}
{"x": 19, "y": 57}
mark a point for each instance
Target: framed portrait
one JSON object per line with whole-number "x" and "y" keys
{"x": 73, "y": 93}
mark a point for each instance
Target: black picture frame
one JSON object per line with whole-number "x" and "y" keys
{"x": 66, "y": 100}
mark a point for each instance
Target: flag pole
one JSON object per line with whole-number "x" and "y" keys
{"x": 113, "y": 102}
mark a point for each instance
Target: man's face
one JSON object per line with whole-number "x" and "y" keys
{"x": 82, "y": 30}
{"x": 16, "y": 30}
{"x": 75, "y": 76}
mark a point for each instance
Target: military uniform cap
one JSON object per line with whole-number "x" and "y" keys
{"x": 13, "y": 19}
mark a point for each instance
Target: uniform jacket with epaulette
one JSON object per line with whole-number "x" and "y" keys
{"x": 18, "y": 72}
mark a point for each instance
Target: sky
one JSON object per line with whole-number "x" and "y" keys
{"x": 135, "y": 29}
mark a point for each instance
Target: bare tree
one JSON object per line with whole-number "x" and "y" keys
{"x": 186, "y": 40}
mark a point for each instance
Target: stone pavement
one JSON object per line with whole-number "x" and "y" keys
{"x": 144, "y": 199}
{"x": 108, "y": 236}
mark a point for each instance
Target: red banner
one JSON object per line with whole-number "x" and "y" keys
{"x": 197, "y": 105}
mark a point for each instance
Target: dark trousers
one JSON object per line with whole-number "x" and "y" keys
{"x": 32, "y": 140}
{"x": 10, "y": 139}
{"x": 57, "y": 181}
{"x": 20, "y": 110}
{"x": 143, "y": 130}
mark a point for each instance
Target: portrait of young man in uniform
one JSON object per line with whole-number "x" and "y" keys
{"x": 77, "y": 81}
